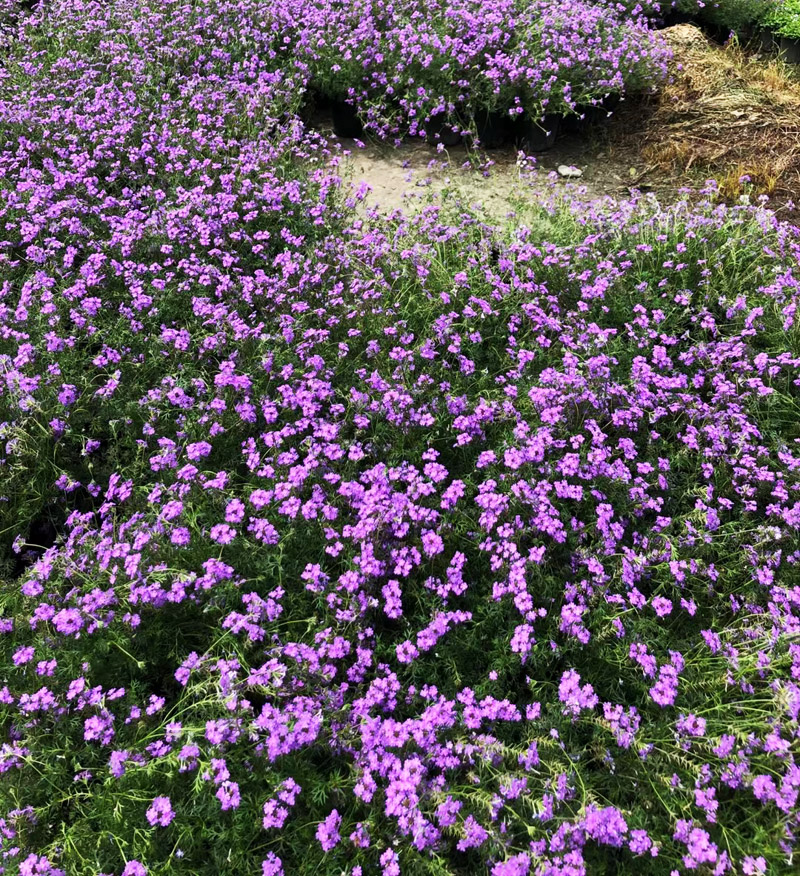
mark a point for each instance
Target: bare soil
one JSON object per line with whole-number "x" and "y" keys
{"x": 407, "y": 176}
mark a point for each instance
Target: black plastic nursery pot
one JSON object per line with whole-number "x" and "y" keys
{"x": 766, "y": 40}
{"x": 438, "y": 130}
{"x": 493, "y": 129}
{"x": 319, "y": 99}
{"x": 790, "y": 50}
{"x": 537, "y": 135}
{"x": 748, "y": 34}
{"x": 575, "y": 123}
{"x": 589, "y": 114}
{"x": 595, "y": 114}
{"x": 346, "y": 122}
{"x": 611, "y": 101}
{"x": 673, "y": 17}
{"x": 719, "y": 33}
{"x": 313, "y": 102}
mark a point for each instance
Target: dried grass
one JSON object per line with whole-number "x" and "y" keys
{"x": 725, "y": 114}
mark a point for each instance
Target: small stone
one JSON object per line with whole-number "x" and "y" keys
{"x": 569, "y": 171}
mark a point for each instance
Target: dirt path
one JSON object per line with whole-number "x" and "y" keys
{"x": 405, "y": 177}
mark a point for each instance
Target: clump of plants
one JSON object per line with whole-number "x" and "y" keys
{"x": 732, "y": 14}
{"x": 784, "y": 19}
{"x": 402, "y": 68}
{"x": 536, "y": 59}
{"x": 337, "y": 544}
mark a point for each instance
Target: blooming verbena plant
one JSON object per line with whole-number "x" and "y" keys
{"x": 373, "y": 544}
{"x": 404, "y": 65}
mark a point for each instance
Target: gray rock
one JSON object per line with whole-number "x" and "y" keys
{"x": 569, "y": 171}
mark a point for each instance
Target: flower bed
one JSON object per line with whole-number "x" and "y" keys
{"x": 456, "y": 60}
{"x": 453, "y": 61}
{"x": 373, "y": 545}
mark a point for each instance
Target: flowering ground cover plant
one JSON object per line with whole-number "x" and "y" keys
{"x": 397, "y": 65}
{"x": 402, "y": 65}
{"x": 373, "y": 545}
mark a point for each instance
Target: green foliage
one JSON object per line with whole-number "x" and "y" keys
{"x": 97, "y": 819}
{"x": 784, "y": 19}
{"x": 733, "y": 14}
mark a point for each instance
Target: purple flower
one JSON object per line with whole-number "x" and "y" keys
{"x": 691, "y": 725}
{"x": 605, "y": 826}
{"x": 34, "y": 865}
{"x": 222, "y": 533}
{"x": 272, "y": 866}
{"x": 640, "y": 843}
{"x": 518, "y": 865}
{"x": 181, "y": 536}
{"x": 22, "y": 655}
{"x": 575, "y": 697}
{"x": 234, "y": 511}
{"x": 198, "y": 450}
{"x": 390, "y": 864}
{"x": 160, "y": 812}
{"x": 228, "y": 795}
{"x": 328, "y": 831}
{"x": 474, "y": 834}
{"x": 764, "y": 788}
{"x": 432, "y": 543}
{"x": 68, "y": 394}
{"x": 665, "y": 690}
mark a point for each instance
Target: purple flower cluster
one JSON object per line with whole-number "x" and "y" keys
{"x": 403, "y": 66}
{"x": 378, "y": 541}
{"x": 160, "y": 812}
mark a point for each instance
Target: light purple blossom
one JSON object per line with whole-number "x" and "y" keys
{"x": 328, "y": 831}
{"x": 160, "y": 812}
